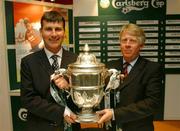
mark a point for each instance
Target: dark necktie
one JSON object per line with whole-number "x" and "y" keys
{"x": 55, "y": 64}
{"x": 125, "y": 69}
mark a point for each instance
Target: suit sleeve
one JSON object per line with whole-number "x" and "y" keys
{"x": 35, "y": 101}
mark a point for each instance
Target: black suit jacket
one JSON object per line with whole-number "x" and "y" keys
{"x": 44, "y": 114}
{"x": 140, "y": 95}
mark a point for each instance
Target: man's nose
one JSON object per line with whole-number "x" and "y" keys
{"x": 128, "y": 42}
{"x": 53, "y": 32}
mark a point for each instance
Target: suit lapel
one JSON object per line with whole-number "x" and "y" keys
{"x": 65, "y": 58}
{"x": 135, "y": 71}
{"x": 115, "y": 64}
{"x": 44, "y": 62}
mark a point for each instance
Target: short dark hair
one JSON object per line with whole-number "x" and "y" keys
{"x": 52, "y": 16}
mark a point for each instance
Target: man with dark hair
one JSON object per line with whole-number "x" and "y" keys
{"x": 44, "y": 113}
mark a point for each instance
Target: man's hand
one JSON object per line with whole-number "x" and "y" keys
{"x": 70, "y": 118}
{"x": 105, "y": 115}
{"x": 59, "y": 81}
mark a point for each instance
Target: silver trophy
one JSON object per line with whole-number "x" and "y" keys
{"x": 87, "y": 84}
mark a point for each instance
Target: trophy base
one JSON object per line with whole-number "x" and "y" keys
{"x": 91, "y": 126}
{"x": 87, "y": 118}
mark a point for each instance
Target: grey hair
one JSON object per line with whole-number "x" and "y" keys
{"x": 134, "y": 30}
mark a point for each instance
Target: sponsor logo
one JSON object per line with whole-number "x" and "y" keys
{"x": 127, "y": 6}
{"x": 22, "y": 113}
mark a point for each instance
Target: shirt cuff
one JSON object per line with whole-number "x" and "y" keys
{"x": 67, "y": 111}
{"x": 113, "y": 117}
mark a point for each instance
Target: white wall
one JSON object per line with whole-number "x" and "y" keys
{"x": 5, "y": 107}
{"x": 172, "y": 85}
{"x": 173, "y": 7}
{"x": 172, "y": 98}
{"x": 85, "y": 8}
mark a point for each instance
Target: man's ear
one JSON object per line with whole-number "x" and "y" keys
{"x": 142, "y": 46}
{"x": 40, "y": 29}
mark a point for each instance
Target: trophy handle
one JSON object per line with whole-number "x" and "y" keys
{"x": 54, "y": 92}
{"x": 61, "y": 72}
{"x": 64, "y": 72}
{"x": 114, "y": 80}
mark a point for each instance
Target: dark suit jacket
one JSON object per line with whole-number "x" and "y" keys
{"x": 140, "y": 95}
{"x": 44, "y": 114}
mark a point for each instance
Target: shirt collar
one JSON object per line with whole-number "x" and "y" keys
{"x": 49, "y": 53}
{"x": 132, "y": 63}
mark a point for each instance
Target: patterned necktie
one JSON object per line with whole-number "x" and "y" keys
{"x": 55, "y": 64}
{"x": 125, "y": 69}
